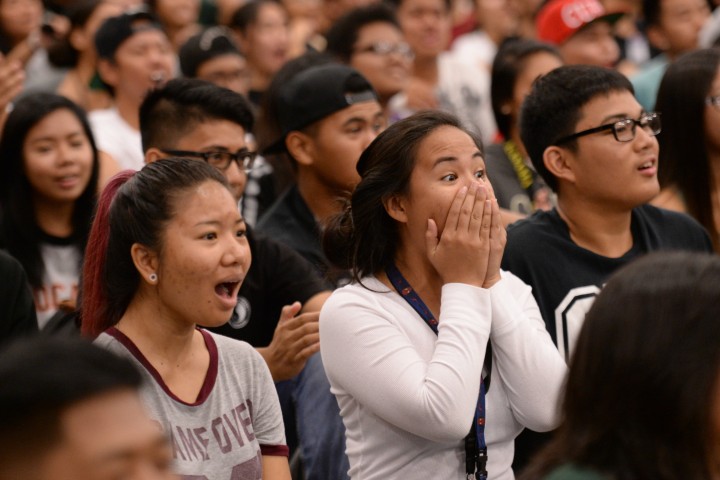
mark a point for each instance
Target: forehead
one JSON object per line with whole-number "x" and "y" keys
{"x": 269, "y": 12}
{"x": 669, "y": 7}
{"x": 108, "y": 424}
{"x": 607, "y": 107}
{"x": 208, "y": 199}
{"x": 445, "y": 141}
{"x": 211, "y": 134}
{"x": 226, "y": 61}
{"x": 363, "y": 111}
{"x": 379, "y": 31}
{"x": 56, "y": 122}
{"x": 147, "y": 34}
{"x": 423, "y": 5}
{"x": 592, "y": 30}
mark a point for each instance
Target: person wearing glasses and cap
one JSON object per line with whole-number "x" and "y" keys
{"x": 595, "y": 146}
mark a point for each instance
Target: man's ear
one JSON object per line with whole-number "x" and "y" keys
{"x": 146, "y": 261}
{"x": 153, "y": 155}
{"x": 558, "y": 161}
{"x": 108, "y": 72}
{"x": 301, "y": 147}
{"x": 395, "y": 207}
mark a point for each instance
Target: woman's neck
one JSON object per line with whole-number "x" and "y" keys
{"x": 155, "y": 331}
{"x": 422, "y": 277}
{"x": 54, "y": 218}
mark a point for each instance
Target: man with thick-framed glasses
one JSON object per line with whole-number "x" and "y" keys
{"x": 595, "y": 146}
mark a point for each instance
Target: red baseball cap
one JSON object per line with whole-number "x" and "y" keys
{"x": 558, "y": 20}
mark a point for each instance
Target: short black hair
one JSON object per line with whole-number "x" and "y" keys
{"x": 42, "y": 377}
{"x": 552, "y": 108}
{"x": 343, "y": 34}
{"x": 248, "y": 14}
{"x": 169, "y": 112}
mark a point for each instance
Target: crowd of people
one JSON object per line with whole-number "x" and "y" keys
{"x": 333, "y": 240}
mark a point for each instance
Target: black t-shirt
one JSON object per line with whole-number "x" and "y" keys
{"x": 291, "y": 222}
{"x": 17, "y": 311}
{"x": 278, "y": 276}
{"x": 566, "y": 278}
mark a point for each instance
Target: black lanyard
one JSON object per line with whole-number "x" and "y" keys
{"x": 475, "y": 447}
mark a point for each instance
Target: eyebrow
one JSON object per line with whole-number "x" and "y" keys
{"x": 620, "y": 116}
{"x": 50, "y": 137}
{"x": 477, "y": 154}
{"x": 217, "y": 222}
{"x": 378, "y": 114}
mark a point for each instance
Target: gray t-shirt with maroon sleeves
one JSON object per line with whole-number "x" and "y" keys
{"x": 235, "y": 420}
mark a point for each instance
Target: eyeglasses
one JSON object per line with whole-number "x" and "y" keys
{"x": 713, "y": 100}
{"x": 387, "y": 48}
{"x": 221, "y": 159}
{"x": 623, "y": 130}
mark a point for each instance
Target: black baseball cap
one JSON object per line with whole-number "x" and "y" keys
{"x": 204, "y": 46}
{"x": 316, "y": 93}
{"x": 115, "y": 30}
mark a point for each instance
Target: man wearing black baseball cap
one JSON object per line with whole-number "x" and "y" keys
{"x": 134, "y": 56}
{"x": 327, "y": 114}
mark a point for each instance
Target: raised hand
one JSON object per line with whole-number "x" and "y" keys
{"x": 462, "y": 252}
{"x": 296, "y": 339}
{"x": 498, "y": 238}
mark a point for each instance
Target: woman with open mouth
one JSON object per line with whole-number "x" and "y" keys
{"x": 47, "y": 196}
{"x": 167, "y": 255}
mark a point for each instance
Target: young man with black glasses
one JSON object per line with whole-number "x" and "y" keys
{"x": 595, "y": 146}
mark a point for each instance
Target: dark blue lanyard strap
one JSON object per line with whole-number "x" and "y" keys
{"x": 475, "y": 447}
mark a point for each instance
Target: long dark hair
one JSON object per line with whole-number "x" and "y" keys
{"x": 134, "y": 208}
{"x": 19, "y": 231}
{"x": 642, "y": 382}
{"x": 684, "y": 162}
{"x": 509, "y": 63}
{"x": 364, "y": 238}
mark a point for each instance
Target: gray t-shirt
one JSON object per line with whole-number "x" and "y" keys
{"x": 234, "y": 421}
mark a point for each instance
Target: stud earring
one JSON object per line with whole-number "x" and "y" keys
{"x": 153, "y": 277}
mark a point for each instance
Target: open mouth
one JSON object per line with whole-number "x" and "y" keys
{"x": 227, "y": 290}
{"x": 647, "y": 165}
{"x": 157, "y": 78}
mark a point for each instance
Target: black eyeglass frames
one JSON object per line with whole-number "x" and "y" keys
{"x": 220, "y": 159}
{"x": 623, "y": 130}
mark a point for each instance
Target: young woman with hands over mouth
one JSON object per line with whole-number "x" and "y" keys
{"x": 167, "y": 253}
{"x": 432, "y": 338}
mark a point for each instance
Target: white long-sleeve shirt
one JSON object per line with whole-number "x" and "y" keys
{"x": 407, "y": 396}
